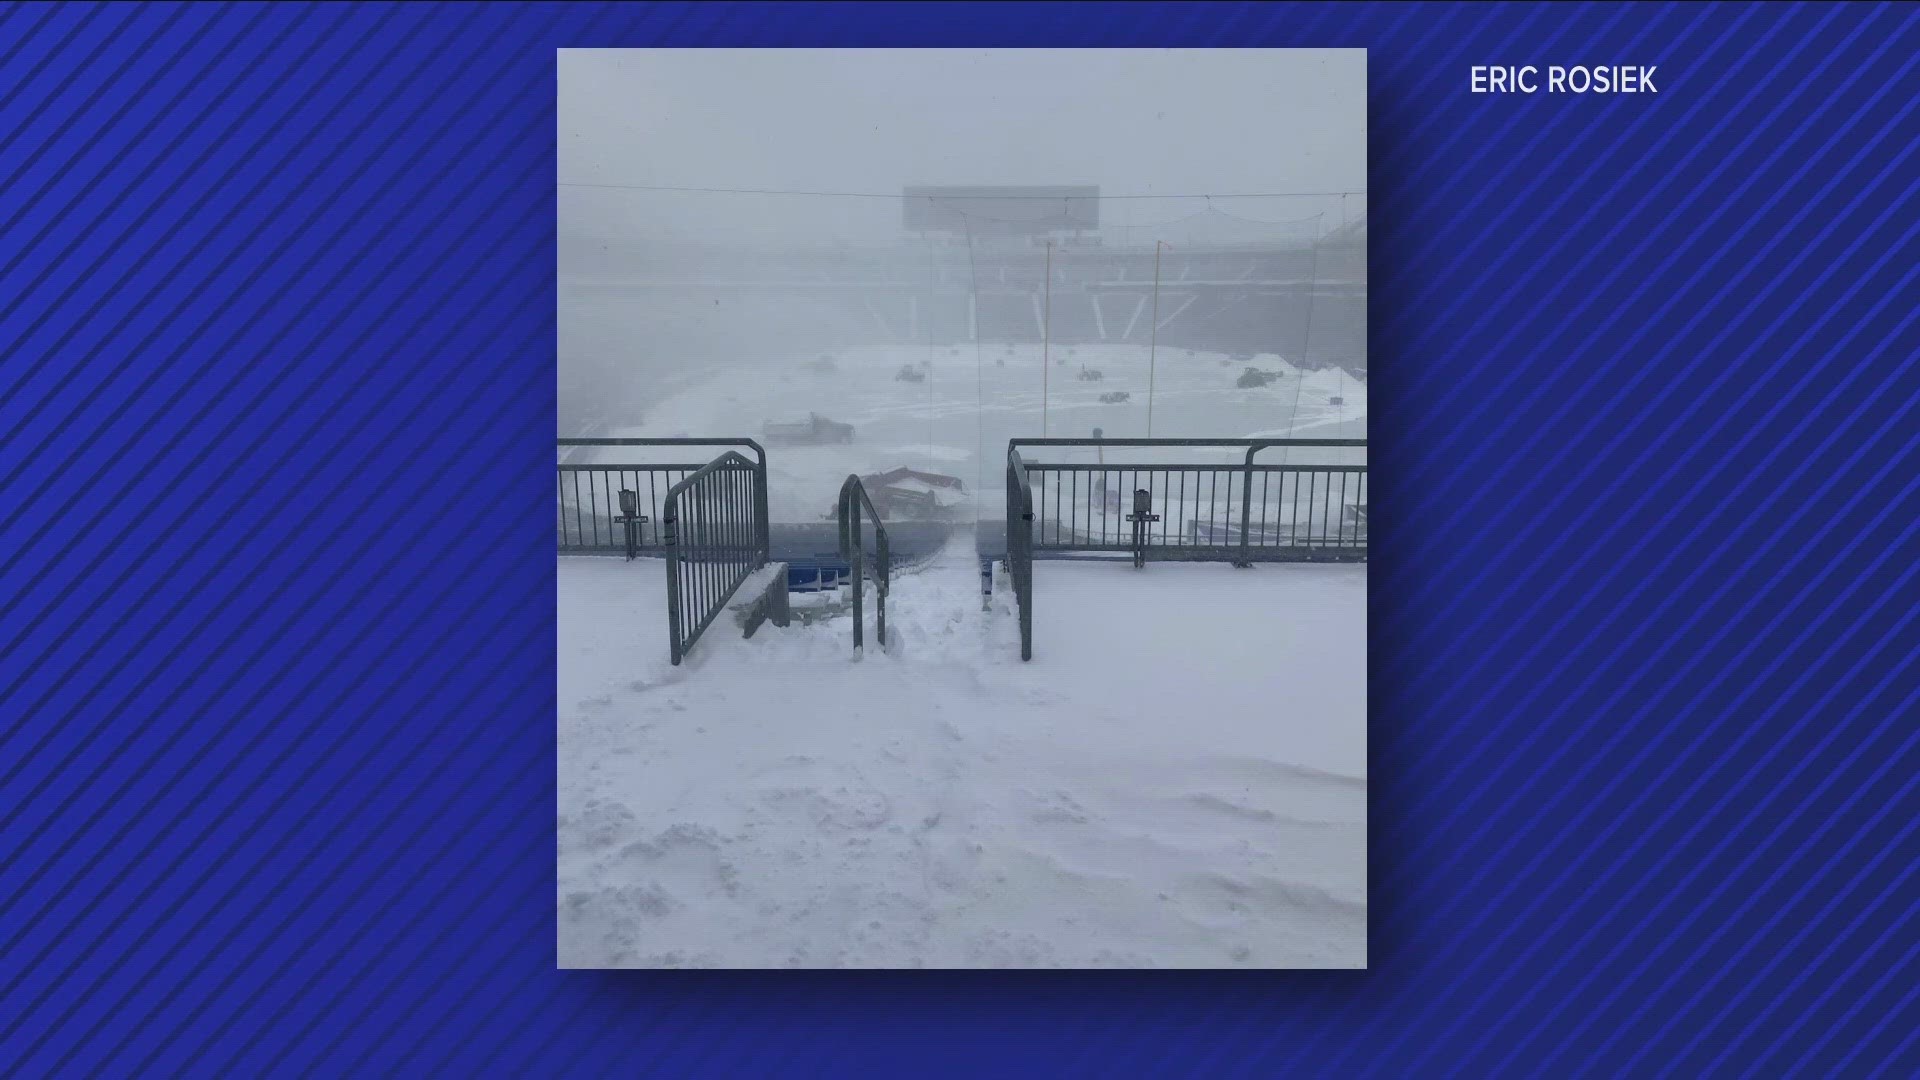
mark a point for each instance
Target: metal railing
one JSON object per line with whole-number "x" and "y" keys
{"x": 1239, "y": 512}
{"x": 1020, "y": 545}
{"x": 1334, "y": 525}
{"x": 1233, "y": 511}
{"x": 713, "y": 529}
{"x": 616, "y": 508}
{"x": 854, "y": 499}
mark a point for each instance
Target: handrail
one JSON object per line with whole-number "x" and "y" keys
{"x": 1246, "y": 496}
{"x": 1020, "y": 544}
{"x": 1257, "y": 445}
{"x": 1251, "y": 444}
{"x": 853, "y": 496}
{"x": 758, "y": 451}
{"x": 728, "y": 521}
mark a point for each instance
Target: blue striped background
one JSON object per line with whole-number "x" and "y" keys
{"x": 277, "y": 644}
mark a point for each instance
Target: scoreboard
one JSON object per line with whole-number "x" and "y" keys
{"x": 1002, "y": 211}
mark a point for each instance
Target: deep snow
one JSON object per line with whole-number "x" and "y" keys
{"x": 1177, "y": 779}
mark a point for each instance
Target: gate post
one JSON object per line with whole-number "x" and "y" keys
{"x": 859, "y": 571}
{"x": 670, "y": 536}
{"x": 763, "y": 532}
{"x": 885, "y": 559}
{"x": 1246, "y": 512}
{"x": 1142, "y": 514}
{"x": 631, "y": 519}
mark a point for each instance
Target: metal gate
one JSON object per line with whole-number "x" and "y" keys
{"x": 713, "y": 527}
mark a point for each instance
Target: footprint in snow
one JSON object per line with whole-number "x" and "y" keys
{"x": 665, "y": 678}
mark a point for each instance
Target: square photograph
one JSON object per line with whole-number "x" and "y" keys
{"x": 962, "y": 493}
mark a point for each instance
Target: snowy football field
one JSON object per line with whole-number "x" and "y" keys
{"x": 973, "y": 399}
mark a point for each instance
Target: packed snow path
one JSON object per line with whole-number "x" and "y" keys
{"x": 1177, "y": 779}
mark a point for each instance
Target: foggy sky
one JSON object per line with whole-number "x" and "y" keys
{"x": 1131, "y": 121}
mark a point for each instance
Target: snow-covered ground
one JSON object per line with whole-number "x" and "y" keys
{"x": 1177, "y": 778}
{"x": 974, "y": 398}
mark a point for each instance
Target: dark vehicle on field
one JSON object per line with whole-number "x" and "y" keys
{"x": 815, "y": 430}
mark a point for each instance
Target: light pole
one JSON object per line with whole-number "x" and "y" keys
{"x": 1100, "y": 455}
{"x": 1313, "y": 286}
{"x": 1046, "y": 340}
{"x": 1153, "y": 338}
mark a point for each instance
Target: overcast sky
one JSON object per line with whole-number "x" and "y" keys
{"x": 1131, "y": 121}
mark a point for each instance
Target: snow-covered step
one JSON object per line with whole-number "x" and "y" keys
{"x": 761, "y": 598}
